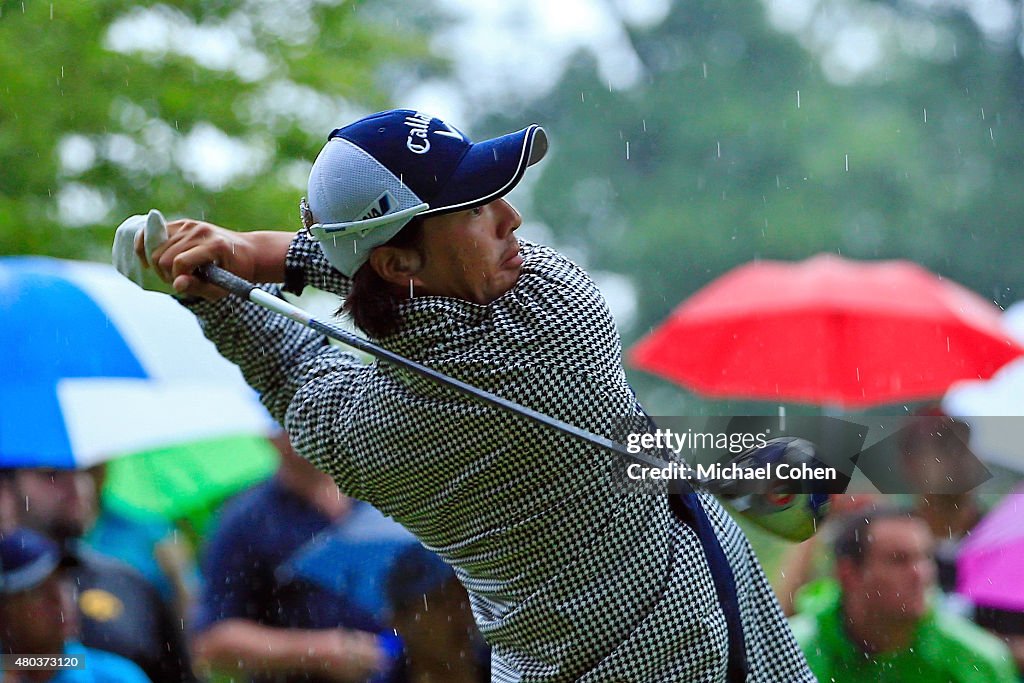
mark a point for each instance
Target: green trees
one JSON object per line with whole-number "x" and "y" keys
{"x": 109, "y": 108}
{"x": 735, "y": 146}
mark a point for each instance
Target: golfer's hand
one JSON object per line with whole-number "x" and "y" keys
{"x": 136, "y": 238}
{"x": 256, "y": 256}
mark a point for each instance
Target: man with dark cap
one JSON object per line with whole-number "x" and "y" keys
{"x": 119, "y": 610}
{"x": 38, "y": 619}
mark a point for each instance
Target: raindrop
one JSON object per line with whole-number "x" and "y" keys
{"x": 718, "y": 145}
{"x": 797, "y": 99}
{"x": 983, "y": 113}
{"x": 627, "y": 150}
{"x": 846, "y": 162}
{"x": 925, "y": 115}
{"x": 704, "y": 67}
{"x": 583, "y": 97}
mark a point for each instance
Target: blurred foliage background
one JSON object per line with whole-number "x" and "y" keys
{"x": 206, "y": 108}
{"x": 746, "y": 129}
{"x": 740, "y": 142}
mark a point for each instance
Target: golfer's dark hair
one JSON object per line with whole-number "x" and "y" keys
{"x": 853, "y": 541}
{"x": 372, "y": 302}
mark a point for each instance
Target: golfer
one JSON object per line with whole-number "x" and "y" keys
{"x": 573, "y": 575}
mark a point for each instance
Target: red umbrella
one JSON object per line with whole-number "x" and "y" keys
{"x": 830, "y": 331}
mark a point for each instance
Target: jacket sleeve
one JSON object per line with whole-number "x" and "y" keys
{"x": 307, "y": 384}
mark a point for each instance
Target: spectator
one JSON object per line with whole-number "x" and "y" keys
{"x": 430, "y": 612}
{"x": 881, "y": 625}
{"x": 37, "y": 615}
{"x": 938, "y": 463}
{"x": 119, "y": 610}
{"x": 269, "y": 624}
{"x": 147, "y": 542}
{"x": 381, "y": 568}
{"x": 804, "y": 562}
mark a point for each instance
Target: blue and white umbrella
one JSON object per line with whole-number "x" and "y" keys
{"x": 93, "y": 367}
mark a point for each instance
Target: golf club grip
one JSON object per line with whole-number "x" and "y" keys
{"x": 225, "y": 280}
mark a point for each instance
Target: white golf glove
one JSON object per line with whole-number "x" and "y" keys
{"x": 154, "y": 229}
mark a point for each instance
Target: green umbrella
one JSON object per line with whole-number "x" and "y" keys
{"x": 189, "y": 480}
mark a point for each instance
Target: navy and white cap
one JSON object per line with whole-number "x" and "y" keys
{"x": 27, "y": 558}
{"x": 373, "y": 176}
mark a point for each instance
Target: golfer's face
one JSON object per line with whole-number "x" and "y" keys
{"x": 471, "y": 255}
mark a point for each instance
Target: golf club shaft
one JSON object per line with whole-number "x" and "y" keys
{"x": 797, "y": 530}
{"x": 248, "y": 291}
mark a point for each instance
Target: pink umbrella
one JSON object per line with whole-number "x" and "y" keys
{"x": 990, "y": 565}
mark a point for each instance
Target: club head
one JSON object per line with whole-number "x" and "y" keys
{"x": 790, "y": 509}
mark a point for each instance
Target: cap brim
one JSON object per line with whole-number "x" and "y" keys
{"x": 490, "y": 169}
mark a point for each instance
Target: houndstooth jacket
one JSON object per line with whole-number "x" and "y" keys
{"x": 571, "y": 575}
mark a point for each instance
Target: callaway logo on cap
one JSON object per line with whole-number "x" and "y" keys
{"x": 373, "y": 176}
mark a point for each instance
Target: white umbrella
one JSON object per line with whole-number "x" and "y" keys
{"x": 995, "y": 407}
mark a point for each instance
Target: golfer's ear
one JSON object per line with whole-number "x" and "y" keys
{"x": 396, "y": 265}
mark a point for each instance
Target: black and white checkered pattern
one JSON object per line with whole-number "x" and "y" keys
{"x": 572, "y": 575}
